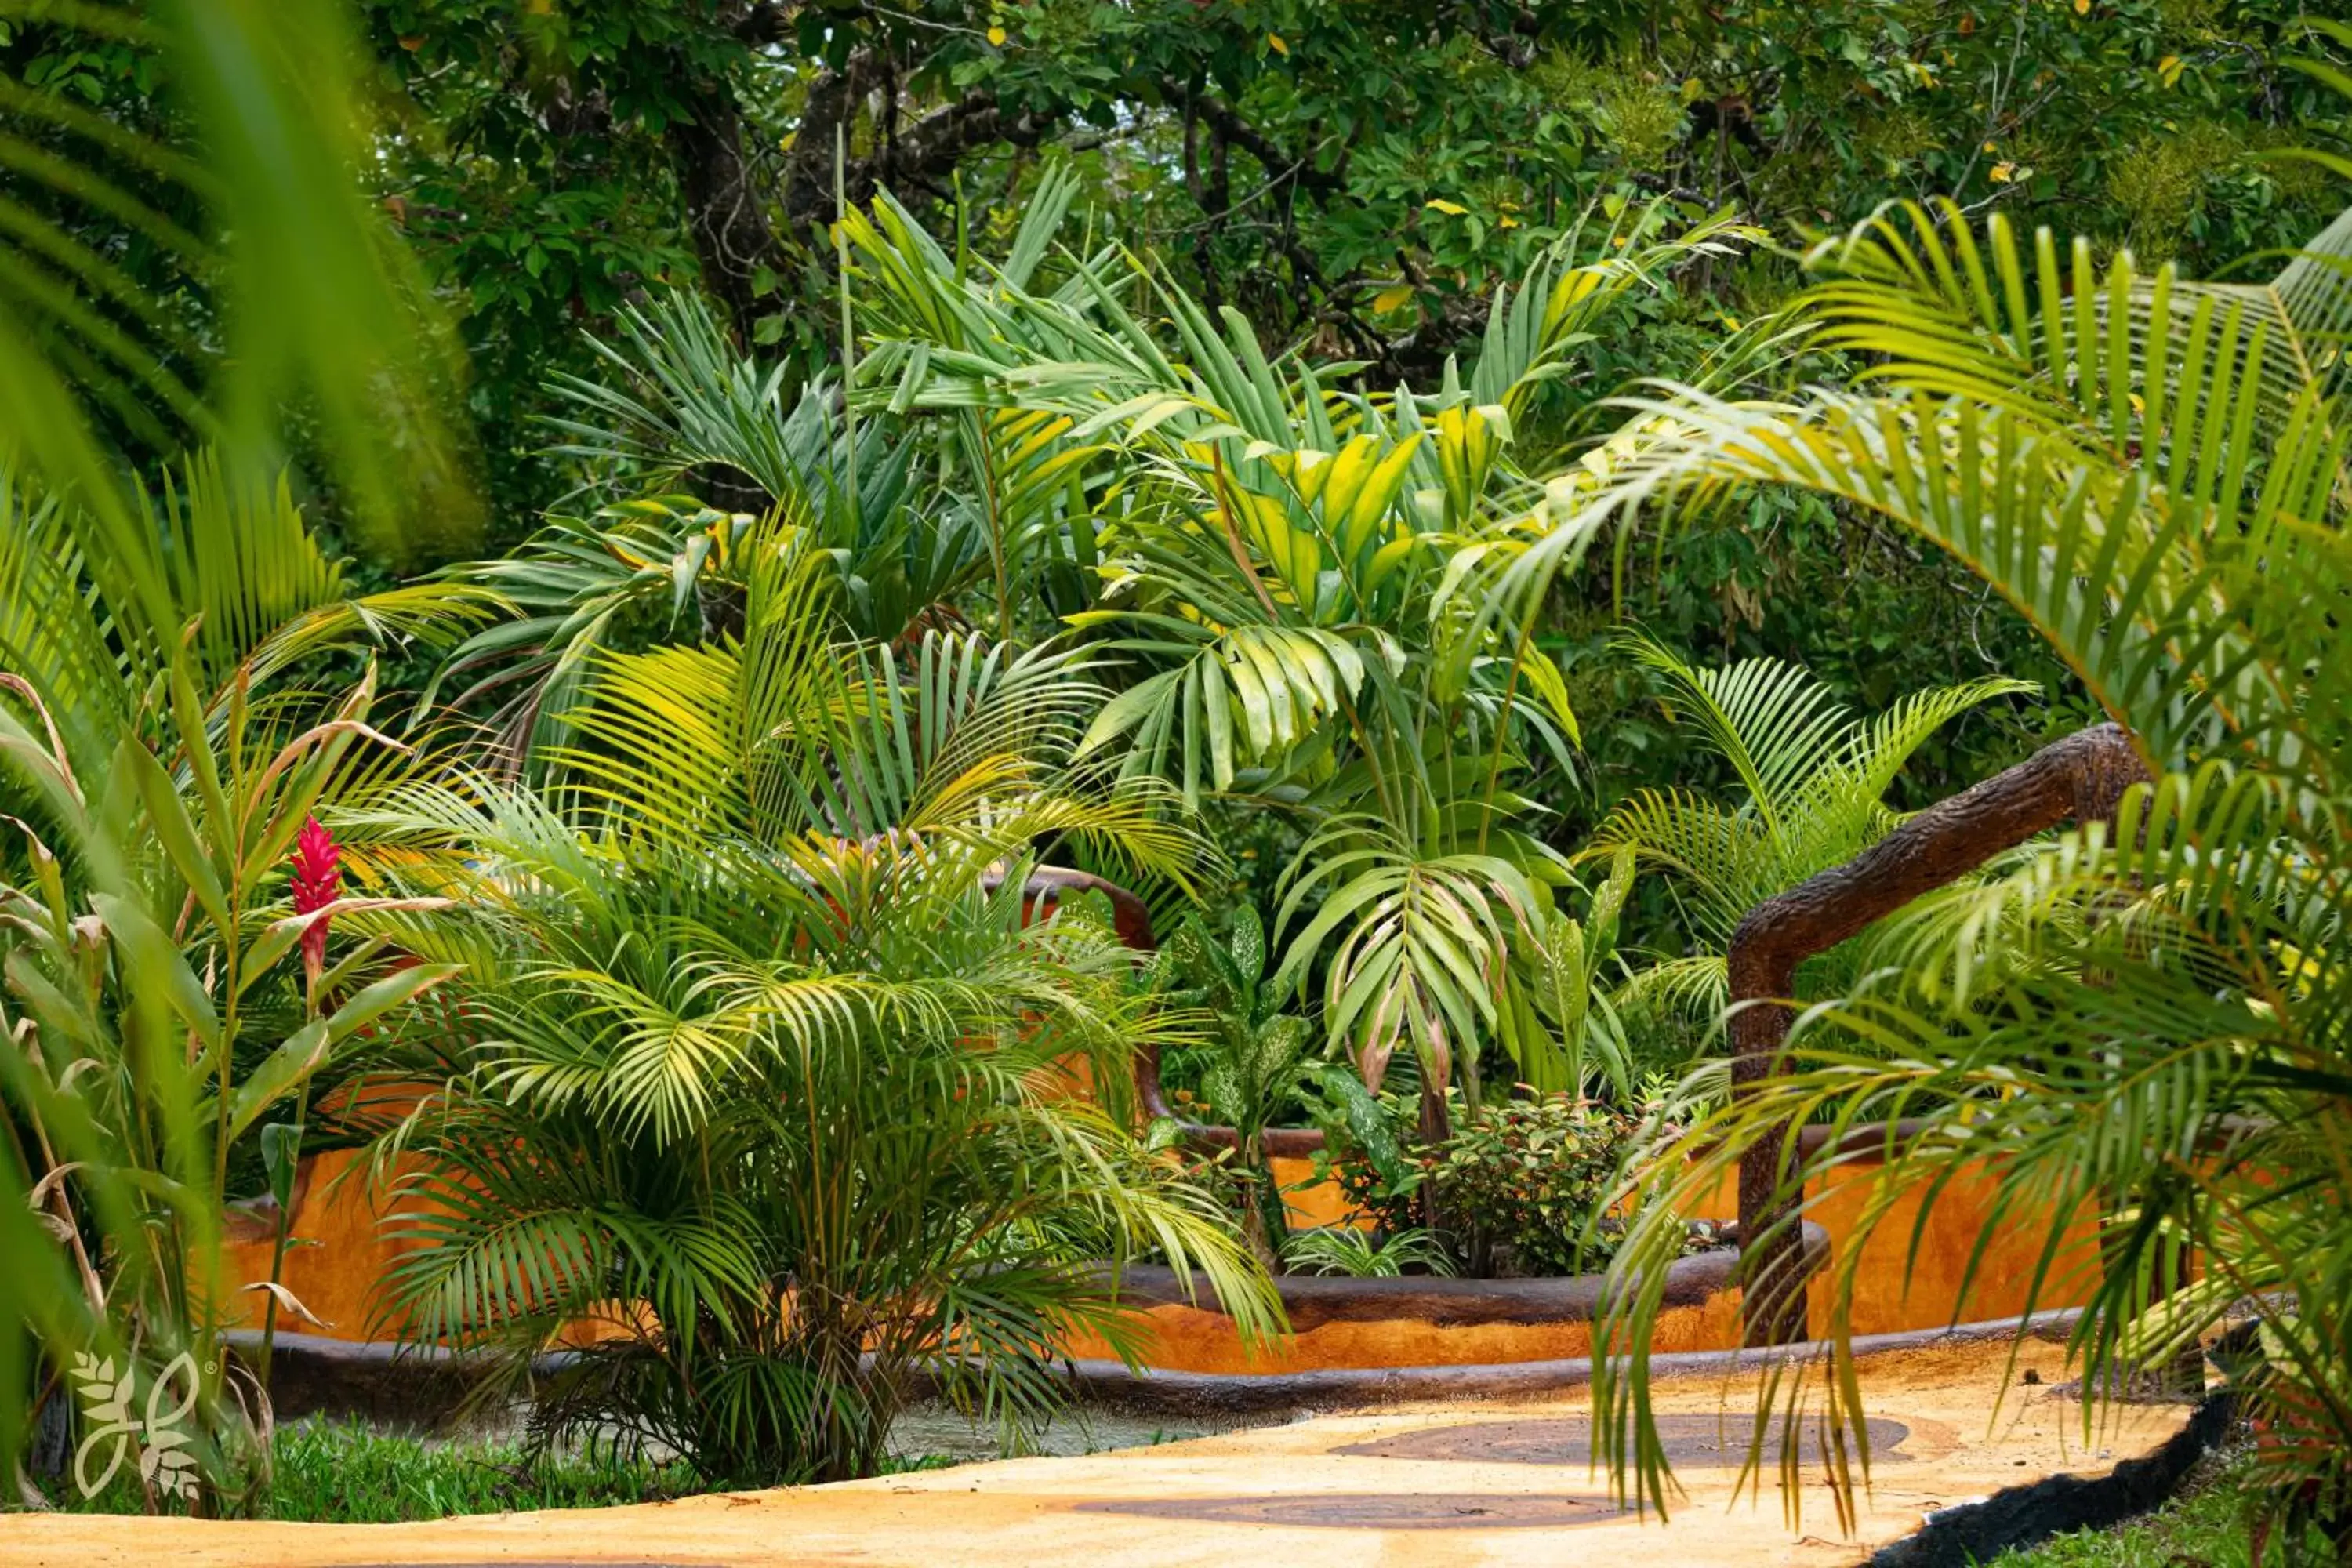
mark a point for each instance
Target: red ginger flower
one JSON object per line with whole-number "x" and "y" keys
{"x": 318, "y": 880}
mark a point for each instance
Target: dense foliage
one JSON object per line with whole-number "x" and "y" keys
{"x": 1357, "y": 179}
{"x": 1203, "y": 449}
{"x": 1520, "y": 1184}
{"x": 2151, "y": 1024}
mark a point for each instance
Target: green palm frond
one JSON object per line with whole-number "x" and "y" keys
{"x": 237, "y": 586}
{"x": 1773, "y": 721}
{"x": 1418, "y": 944}
{"x": 303, "y": 292}
{"x": 261, "y": 592}
{"x": 2155, "y": 473}
{"x": 2120, "y": 513}
{"x": 1280, "y": 576}
{"x": 1246, "y": 696}
{"x": 1814, "y": 778}
{"x": 1534, "y": 326}
{"x": 1725, "y": 860}
{"x": 683, "y": 399}
{"x": 48, "y": 639}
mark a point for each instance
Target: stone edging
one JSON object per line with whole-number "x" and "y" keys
{"x": 1108, "y": 1386}
{"x": 1312, "y": 1301}
{"x": 1972, "y": 1532}
{"x": 420, "y": 1386}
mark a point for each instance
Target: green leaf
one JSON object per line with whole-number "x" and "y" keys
{"x": 309, "y": 1048}
{"x": 373, "y": 1001}
{"x": 167, "y": 818}
{"x": 295, "y": 1060}
{"x": 281, "y": 1154}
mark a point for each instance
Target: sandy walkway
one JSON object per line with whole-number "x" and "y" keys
{"x": 1457, "y": 1485}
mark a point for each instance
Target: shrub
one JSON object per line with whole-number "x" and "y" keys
{"x": 771, "y": 1047}
{"x": 1520, "y": 1186}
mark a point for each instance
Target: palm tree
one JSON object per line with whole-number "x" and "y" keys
{"x": 1814, "y": 780}
{"x": 2154, "y": 470}
{"x": 765, "y": 1076}
{"x": 1283, "y": 567}
{"x": 690, "y": 445}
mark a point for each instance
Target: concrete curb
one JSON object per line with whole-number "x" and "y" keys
{"x": 1107, "y": 1385}
{"x": 422, "y": 1386}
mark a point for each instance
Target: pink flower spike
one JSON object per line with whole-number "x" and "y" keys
{"x": 318, "y": 881}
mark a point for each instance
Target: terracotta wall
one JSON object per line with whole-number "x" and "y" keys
{"x": 339, "y": 1278}
{"x": 1184, "y": 1340}
{"x": 1884, "y": 1299}
{"x": 338, "y": 1260}
{"x": 1896, "y": 1289}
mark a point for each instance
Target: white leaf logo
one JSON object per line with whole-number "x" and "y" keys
{"x": 106, "y": 1406}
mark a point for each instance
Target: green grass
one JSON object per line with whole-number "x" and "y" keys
{"x": 2205, "y": 1527}
{"x": 345, "y": 1473}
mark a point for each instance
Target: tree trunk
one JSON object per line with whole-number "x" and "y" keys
{"x": 2082, "y": 777}
{"x": 725, "y": 211}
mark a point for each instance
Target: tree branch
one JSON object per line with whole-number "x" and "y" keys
{"x": 2082, "y": 777}
{"x": 725, "y": 211}
{"x": 1279, "y": 166}
{"x": 808, "y": 171}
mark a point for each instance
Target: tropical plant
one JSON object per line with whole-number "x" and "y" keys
{"x": 1255, "y": 1058}
{"x": 2154, "y": 470}
{"x": 690, "y": 446}
{"x": 1523, "y": 1186}
{"x": 170, "y": 1001}
{"x": 1813, "y": 794}
{"x": 1365, "y": 1255}
{"x": 1284, "y": 574}
{"x": 768, "y": 1081}
{"x": 1528, "y": 1184}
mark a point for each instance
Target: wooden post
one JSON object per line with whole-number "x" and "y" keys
{"x": 2082, "y": 777}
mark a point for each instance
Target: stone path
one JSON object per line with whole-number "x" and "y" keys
{"x": 1457, "y": 1484}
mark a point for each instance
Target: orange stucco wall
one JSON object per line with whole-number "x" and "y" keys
{"x": 1896, "y": 1289}
{"x": 341, "y": 1257}
{"x": 1884, "y": 1299}
{"x": 1183, "y": 1339}
{"x": 340, "y": 1279}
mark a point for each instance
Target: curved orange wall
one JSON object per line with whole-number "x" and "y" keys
{"x": 340, "y": 1260}
{"x": 340, "y": 1279}
{"x": 1885, "y": 1303}
{"x": 1184, "y": 1340}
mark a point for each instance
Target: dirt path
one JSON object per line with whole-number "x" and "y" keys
{"x": 1457, "y": 1484}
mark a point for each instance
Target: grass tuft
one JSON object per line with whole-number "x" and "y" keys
{"x": 2207, "y": 1525}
